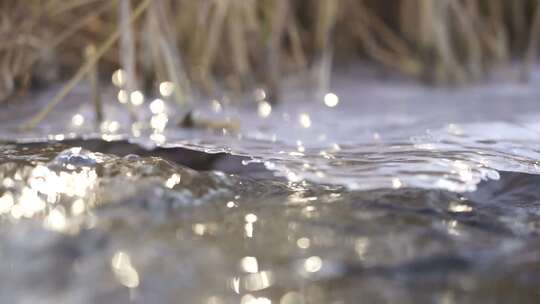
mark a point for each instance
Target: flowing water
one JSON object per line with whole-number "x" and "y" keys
{"x": 85, "y": 227}
{"x": 381, "y": 194}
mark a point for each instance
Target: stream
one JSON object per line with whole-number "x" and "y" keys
{"x": 376, "y": 192}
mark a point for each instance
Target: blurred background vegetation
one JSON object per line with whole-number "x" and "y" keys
{"x": 240, "y": 44}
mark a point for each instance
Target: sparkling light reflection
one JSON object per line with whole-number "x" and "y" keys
{"x": 119, "y": 78}
{"x": 159, "y": 122}
{"x": 56, "y": 196}
{"x": 292, "y": 297}
{"x": 216, "y": 106}
{"x": 166, "y": 88}
{"x": 396, "y": 183}
{"x": 303, "y": 243}
{"x": 459, "y": 208}
{"x": 136, "y": 98}
{"x": 157, "y": 106}
{"x": 258, "y": 281}
{"x": 361, "y": 246}
{"x": 249, "y": 264}
{"x": 110, "y": 126}
{"x": 123, "y": 96}
{"x": 260, "y": 94}
{"x": 264, "y": 109}
{"x": 173, "y": 181}
{"x": 124, "y": 271}
{"x": 77, "y": 120}
{"x": 251, "y": 218}
{"x": 250, "y": 299}
{"x": 305, "y": 120}
{"x": 313, "y": 264}
{"x": 331, "y": 100}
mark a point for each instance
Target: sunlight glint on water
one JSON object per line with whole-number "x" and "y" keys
{"x": 218, "y": 238}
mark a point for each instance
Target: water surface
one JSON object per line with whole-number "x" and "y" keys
{"x": 85, "y": 227}
{"x": 376, "y": 192}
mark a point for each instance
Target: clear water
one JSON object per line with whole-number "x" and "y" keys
{"x": 379, "y": 135}
{"x": 85, "y": 227}
{"x": 399, "y": 193}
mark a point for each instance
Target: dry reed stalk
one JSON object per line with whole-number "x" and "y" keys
{"x": 127, "y": 50}
{"x": 383, "y": 44}
{"x": 468, "y": 33}
{"x": 204, "y": 45}
{"x": 94, "y": 84}
{"x": 83, "y": 70}
{"x": 277, "y": 15}
{"x": 237, "y": 39}
{"x": 171, "y": 56}
{"x": 217, "y": 19}
{"x": 532, "y": 48}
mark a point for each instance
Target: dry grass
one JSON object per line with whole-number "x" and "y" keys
{"x": 240, "y": 44}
